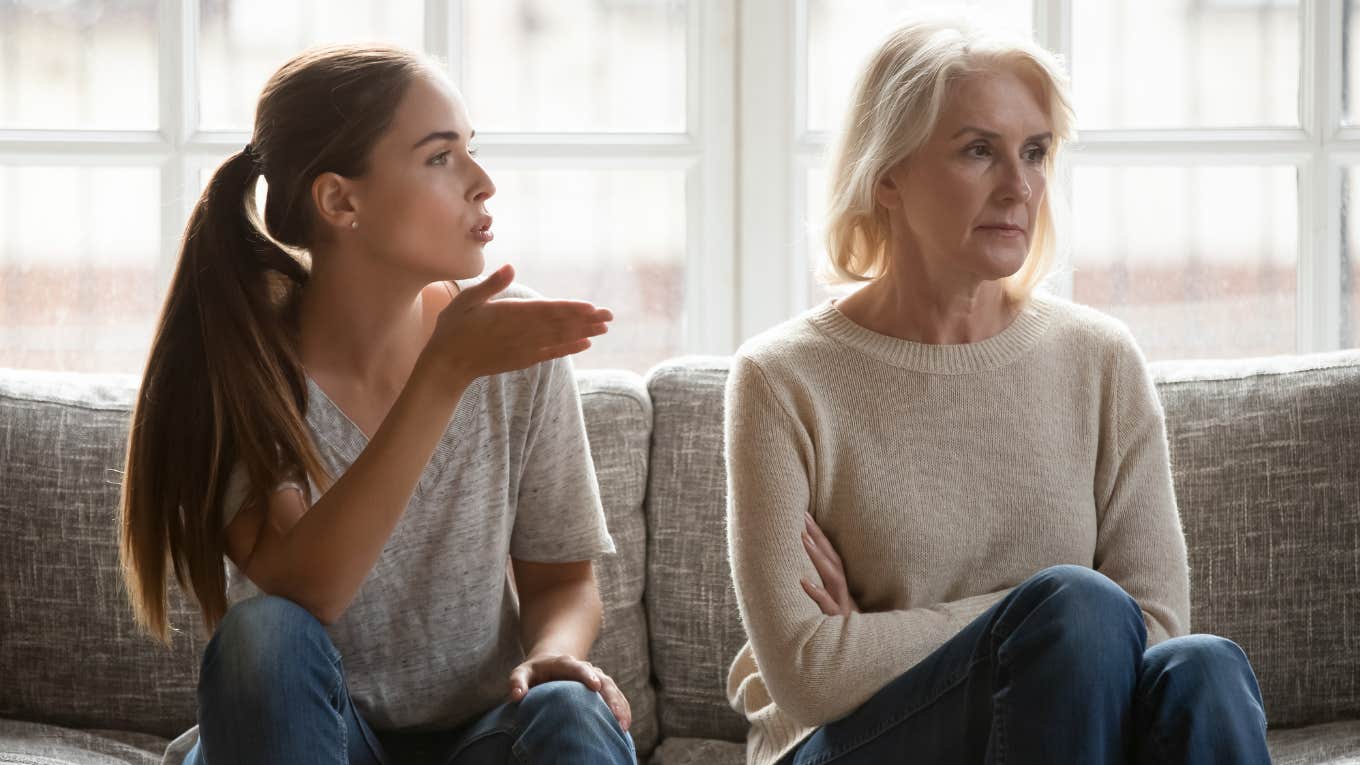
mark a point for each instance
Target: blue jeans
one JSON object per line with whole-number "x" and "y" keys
{"x": 272, "y": 690}
{"x": 1057, "y": 673}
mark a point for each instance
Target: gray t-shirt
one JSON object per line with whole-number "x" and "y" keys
{"x": 432, "y": 635}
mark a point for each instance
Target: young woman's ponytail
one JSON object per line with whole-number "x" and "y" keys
{"x": 224, "y": 385}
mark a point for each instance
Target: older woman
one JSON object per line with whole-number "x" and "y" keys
{"x": 976, "y": 472}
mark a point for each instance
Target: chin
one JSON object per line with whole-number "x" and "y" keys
{"x": 466, "y": 265}
{"x": 1000, "y": 265}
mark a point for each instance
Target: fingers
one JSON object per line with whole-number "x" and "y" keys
{"x": 617, "y": 702}
{"x": 537, "y": 671}
{"x": 826, "y": 568}
{"x": 488, "y": 287}
{"x": 819, "y": 596}
{"x": 521, "y": 680}
{"x": 823, "y": 543}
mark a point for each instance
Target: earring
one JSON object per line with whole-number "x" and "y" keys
{"x": 354, "y": 224}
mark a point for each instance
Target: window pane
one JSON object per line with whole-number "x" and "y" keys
{"x": 614, "y": 237}
{"x": 575, "y": 65}
{"x": 1186, "y": 63}
{"x": 86, "y": 65}
{"x": 1198, "y": 261}
{"x": 841, "y": 33}
{"x": 242, "y": 42}
{"x": 80, "y": 282}
{"x": 1350, "y": 259}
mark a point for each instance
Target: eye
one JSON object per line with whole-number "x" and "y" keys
{"x": 978, "y": 150}
{"x": 442, "y": 158}
{"x": 1036, "y": 153}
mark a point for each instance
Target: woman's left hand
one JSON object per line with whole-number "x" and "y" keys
{"x": 834, "y": 598}
{"x": 541, "y": 669}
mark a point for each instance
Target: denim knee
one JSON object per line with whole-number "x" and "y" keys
{"x": 1086, "y": 608}
{"x": 561, "y": 701}
{"x": 261, "y": 643}
{"x": 1196, "y": 668}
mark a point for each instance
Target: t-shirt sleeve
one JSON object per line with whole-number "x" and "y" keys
{"x": 238, "y": 489}
{"x": 558, "y": 514}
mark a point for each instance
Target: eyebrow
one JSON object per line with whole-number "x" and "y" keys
{"x": 446, "y": 135}
{"x": 993, "y": 135}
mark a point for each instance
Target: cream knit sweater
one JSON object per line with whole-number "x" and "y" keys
{"x": 944, "y": 475}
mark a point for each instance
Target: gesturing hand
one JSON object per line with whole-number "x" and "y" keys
{"x": 541, "y": 669}
{"x": 834, "y": 599}
{"x": 476, "y": 336}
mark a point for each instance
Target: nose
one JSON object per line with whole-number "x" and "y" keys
{"x": 1014, "y": 185}
{"x": 482, "y": 187}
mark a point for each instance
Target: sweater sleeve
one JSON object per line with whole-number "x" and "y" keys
{"x": 816, "y": 668}
{"x": 1139, "y": 542}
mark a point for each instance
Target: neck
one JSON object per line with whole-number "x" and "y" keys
{"x": 910, "y": 303}
{"x": 359, "y": 325}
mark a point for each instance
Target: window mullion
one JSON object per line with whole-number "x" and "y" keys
{"x": 178, "y": 57}
{"x": 765, "y": 155}
{"x": 1319, "y": 295}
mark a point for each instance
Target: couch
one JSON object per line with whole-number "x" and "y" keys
{"x": 1266, "y": 461}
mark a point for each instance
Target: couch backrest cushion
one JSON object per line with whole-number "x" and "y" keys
{"x": 1266, "y": 462}
{"x": 619, "y": 422}
{"x": 70, "y": 652}
{"x": 1266, "y": 459}
{"x": 691, "y": 607}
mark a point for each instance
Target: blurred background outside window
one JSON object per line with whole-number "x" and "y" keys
{"x": 667, "y": 157}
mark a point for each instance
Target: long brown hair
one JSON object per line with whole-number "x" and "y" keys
{"x": 224, "y": 384}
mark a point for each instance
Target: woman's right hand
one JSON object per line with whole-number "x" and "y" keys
{"x": 834, "y": 598}
{"x": 476, "y": 336}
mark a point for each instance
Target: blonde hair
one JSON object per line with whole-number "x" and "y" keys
{"x": 894, "y": 108}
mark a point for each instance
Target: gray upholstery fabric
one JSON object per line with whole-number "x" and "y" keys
{"x": 25, "y": 743}
{"x": 71, "y": 653}
{"x": 1266, "y": 459}
{"x": 691, "y": 607}
{"x": 1331, "y": 744}
{"x": 699, "y": 751}
{"x": 618, "y": 417}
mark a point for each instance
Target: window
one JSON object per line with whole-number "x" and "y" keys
{"x": 666, "y": 157}
{"x": 606, "y": 125}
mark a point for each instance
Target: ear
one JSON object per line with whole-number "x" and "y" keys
{"x": 335, "y": 198}
{"x": 888, "y": 190}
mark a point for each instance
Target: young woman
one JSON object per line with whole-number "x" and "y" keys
{"x": 367, "y": 444}
{"x": 974, "y": 471}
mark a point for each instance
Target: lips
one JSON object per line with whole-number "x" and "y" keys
{"x": 1004, "y": 227}
{"x": 482, "y": 231}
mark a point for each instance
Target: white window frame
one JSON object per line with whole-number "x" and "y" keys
{"x": 776, "y": 148}
{"x": 705, "y": 151}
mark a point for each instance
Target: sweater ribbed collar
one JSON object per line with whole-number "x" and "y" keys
{"x": 966, "y": 358}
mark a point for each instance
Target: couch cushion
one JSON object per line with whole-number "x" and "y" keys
{"x": 62, "y": 438}
{"x": 619, "y": 423}
{"x": 1266, "y": 459}
{"x": 691, "y": 607}
{"x": 26, "y": 743}
{"x": 1335, "y": 743}
{"x": 71, "y": 653}
{"x": 699, "y": 751}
